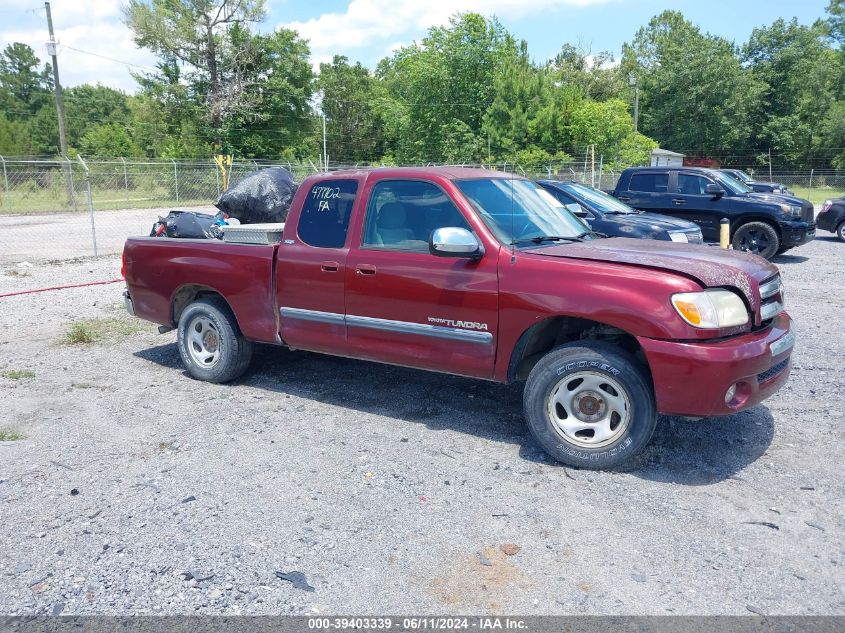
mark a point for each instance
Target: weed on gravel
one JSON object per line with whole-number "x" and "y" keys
{"x": 18, "y": 374}
{"x": 91, "y": 331}
{"x": 10, "y": 436}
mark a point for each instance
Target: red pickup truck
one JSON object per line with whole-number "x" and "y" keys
{"x": 482, "y": 274}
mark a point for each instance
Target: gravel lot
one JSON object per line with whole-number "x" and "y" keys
{"x": 136, "y": 490}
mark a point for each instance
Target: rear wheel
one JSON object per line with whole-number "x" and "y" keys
{"x": 840, "y": 231}
{"x": 590, "y": 404}
{"x": 210, "y": 343}
{"x": 758, "y": 238}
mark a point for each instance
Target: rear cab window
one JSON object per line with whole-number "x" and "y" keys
{"x": 324, "y": 220}
{"x": 650, "y": 182}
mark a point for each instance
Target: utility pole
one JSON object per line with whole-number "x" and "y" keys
{"x": 632, "y": 81}
{"x": 325, "y": 155}
{"x": 60, "y": 106}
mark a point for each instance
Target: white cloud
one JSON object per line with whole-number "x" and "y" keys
{"x": 374, "y": 22}
{"x": 94, "y": 27}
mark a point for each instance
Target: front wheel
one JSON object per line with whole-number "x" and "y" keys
{"x": 210, "y": 343}
{"x": 590, "y": 404}
{"x": 758, "y": 238}
{"x": 840, "y": 231}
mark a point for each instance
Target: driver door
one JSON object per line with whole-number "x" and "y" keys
{"x": 408, "y": 307}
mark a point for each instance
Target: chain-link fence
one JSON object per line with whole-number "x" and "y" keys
{"x": 65, "y": 208}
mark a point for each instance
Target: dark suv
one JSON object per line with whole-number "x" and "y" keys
{"x": 765, "y": 224}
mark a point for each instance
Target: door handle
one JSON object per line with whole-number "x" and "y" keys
{"x": 624, "y": 198}
{"x": 365, "y": 269}
{"x": 679, "y": 201}
{"x": 329, "y": 267}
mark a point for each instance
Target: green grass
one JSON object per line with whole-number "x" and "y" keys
{"x": 817, "y": 195}
{"x": 93, "y": 330}
{"x": 10, "y": 436}
{"x": 18, "y": 374}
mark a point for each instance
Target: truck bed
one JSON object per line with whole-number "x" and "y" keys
{"x": 176, "y": 270}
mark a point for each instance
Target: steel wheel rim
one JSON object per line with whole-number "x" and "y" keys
{"x": 203, "y": 341}
{"x": 589, "y": 409}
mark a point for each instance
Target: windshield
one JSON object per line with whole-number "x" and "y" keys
{"x": 516, "y": 209}
{"x": 732, "y": 184}
{"x": 740, "y": 175}
{"x": 597, "y": 199}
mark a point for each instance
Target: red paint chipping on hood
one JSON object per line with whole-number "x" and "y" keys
{"x": 708, "y": 265}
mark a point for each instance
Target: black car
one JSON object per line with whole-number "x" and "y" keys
{"x": 756, "y": 185}
{"x": 605, "y": 214}
{"x": 832, "y": 217}
{"x": 763, "y": 223}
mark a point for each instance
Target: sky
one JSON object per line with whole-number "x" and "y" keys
{"x": 95, "y": 46}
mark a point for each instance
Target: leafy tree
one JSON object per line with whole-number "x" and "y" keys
{"x": 108, "y": 140}
{"x": 695, "y": 95}
{"x": 14, "y": 137}
{"x": 24, "y": 89}
{"x": 279, "y": 83}
{"x": 353, "y": 102}
{"x": 448, "y": 77}
{"x": 800, "y": 72}
{"x": 596, "y": 77}
{"x": 198, "y": 34}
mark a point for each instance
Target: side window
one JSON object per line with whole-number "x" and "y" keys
{"x": 649, "y": 183}
{"x": 402, "y": 214}
{"x": 571, "y": 204}
{"x": 692, "y": 184}
{"x": 324, "y": 221}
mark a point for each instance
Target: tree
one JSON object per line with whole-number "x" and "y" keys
{"x": 799, "y": 72}
{"x": 198, "y": 33}
{"x": 597, "y": 77}
{"x": 695, "y": 95}
{"x": 24, "y": 89}
{"x": 447, "y": 78}
{"x": 353, "y": 102}
{"x": 278, "y": 82}
{"x": 108, "y": 140}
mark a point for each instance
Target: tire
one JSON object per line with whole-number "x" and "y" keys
{"x": 758, "y": 238}
{"x": 210, "y": 343}
{"x": 574, "y": 394}
{"x": 840, "y": 231}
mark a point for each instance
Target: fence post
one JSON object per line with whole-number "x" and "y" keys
{"x": 90, "y": 203}
{"x": 69, "y": 181}
{"x": 175, "y": 180}
{"x": 811, "y": 181}
{"x": 5, "y": 181}
{"x": 217, "y": 176}
{"x": 601, "y": 168}
{"x": 125, "y": 179}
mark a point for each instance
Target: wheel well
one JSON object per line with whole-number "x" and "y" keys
{"x": 186, "y": 295}
{"x": 754, "y": 218}
{"x": 543, "y": 337}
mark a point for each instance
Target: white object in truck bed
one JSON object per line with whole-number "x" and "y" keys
{"x": 270, "y": 233}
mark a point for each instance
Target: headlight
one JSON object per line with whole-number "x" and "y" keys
{"x": 678, "y": 236}
{"x": 793, "y": 210}
{"x": 711, "y": 309}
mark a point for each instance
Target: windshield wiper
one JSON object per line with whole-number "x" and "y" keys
{"x": 551, "y": 238}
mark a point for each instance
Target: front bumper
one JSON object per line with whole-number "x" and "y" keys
{"x": 797, "y": 233}
{"x": 692, "y": 378}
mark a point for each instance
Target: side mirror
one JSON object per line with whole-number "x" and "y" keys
{"x": 451, "y": 241}
{"x": 577, "y": 209}
{"x": 714, "y": 190}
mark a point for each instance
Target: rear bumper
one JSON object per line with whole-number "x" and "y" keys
{"x": 692, "y": 378}
{"x": 797, "y": 233}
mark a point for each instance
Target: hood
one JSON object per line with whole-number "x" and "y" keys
{"x": 710, "y": 266}
{"x": 777, "y": 198}
{"x": 655, "y": 221}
